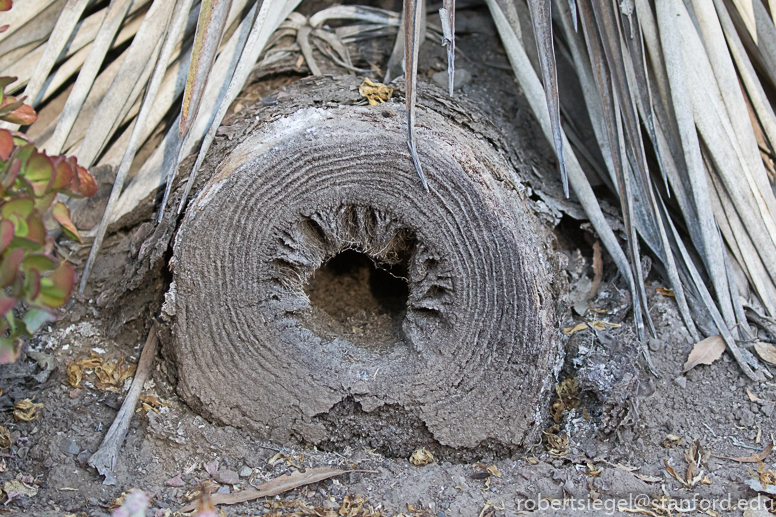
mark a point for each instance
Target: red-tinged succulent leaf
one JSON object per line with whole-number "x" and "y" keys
{"x": 32, "y": 286}
{"x": 83, "y": 183}
{"x": 12, "y": 174}
{"x": 6, "y": 234}
{"x": 39, "y": 171}
{"x": 5, "y": 5}
{"x": 9, "y": 267}
{"x": 62, "y": 215}
{"x": 57, "y": 287}
{"x": 38, "y": 262}
{"x": 4, "y": 28}
{"x": 6, "y": 144}
{"x": 22, "y": 207}
{"x": 64, "y": 171}
{"x": 37, "y": 231}
{"x": 9, "y": 104}
{"x": 24, "y": 115}
{"x": 9, "y": 350}
{"x": 6, "y": 303}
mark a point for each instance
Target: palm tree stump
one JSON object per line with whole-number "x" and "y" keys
{"x": 321, "y": 294}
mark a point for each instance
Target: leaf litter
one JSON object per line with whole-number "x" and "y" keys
{"x": 696, "y": 456}
{"x": 705, "y": 352}
{"x": 26, "y": 410}
{"x": 421, "y": 457}
{"x": 375, "y": 93}
{"x": 108, "y": 375}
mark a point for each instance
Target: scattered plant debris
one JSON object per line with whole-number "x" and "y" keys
{"x": 421, "y": 457}
{"x": 375, "y": 93}
{"x": 557, "y": 444}
{"x": 696, "y": 456}
{"x": 26, "y": 410}
{"x": 567, "y": 398}
{"x": 109, "y": 375}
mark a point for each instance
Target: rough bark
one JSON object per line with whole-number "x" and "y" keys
{"x": 475, "y": 356}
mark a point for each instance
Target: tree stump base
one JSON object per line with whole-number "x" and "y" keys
{"x": 322, "y": 295}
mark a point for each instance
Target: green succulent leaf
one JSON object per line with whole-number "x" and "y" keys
{"x": 36, "y": 318}
{"x": 39, "y": 262}
{"x": 56, "y": 287}
{"x": 39, "y": 171}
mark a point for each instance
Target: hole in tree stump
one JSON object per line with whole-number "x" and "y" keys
{"x": 274, "y": 283}
{"x": 361, "y": 300}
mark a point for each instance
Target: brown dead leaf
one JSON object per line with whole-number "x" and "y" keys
{"x": 567, "y": 397}
{"x": 557, "y": 444}
{"x": 766, "y": 351}
{"x": 754, "y": 458}
{"x": 375, "y": 93}
{"x": 26, "y": 410}
{"x": 577, "y": 328}
{"x": 277, "y": 486}
{"x": 291, "y": 461}
{"x": 421, "y": 457}
{"x": 16, "y": 487}
{"x": 765, "y": 477}
{"x": 601, "y": 325}
{"x": 665, "y": 291}
{"x": 648, "y": 479}
{"x": 752, "y": 396}
{"x": 671, "y": 440}
{"x": 5, "y": 438}
{"x": 705, "y": 352}
{"x": 151, "y": 403}
{"x": 494, "y": 471}
{"x": 109, "y": 375}
{"x": 592, "y": 470}
{"x": 351, "y": 506}
{"x": 598, "y": 271}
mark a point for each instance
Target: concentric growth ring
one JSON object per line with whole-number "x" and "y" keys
{"x": 475, "y": 356}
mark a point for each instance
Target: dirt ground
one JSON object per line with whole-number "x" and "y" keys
{"x": 612, "y": 450}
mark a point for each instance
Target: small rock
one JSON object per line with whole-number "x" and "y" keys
{"x": 462, "y": 77}
{"x": 93, "y": 501}
{"x": 246, "y": 472}
{"x": 681, "y": 381}
{"x": 746, "y": 418}
{"x": 226, "y": 477}
{"x": 69, "y": 446}
{"x": 224, "y": 490}
{"x": 83, "y": 457}
{"x": 176, "y": 481}
{"x": 767, "y": 408}
{"x": 655, "y": 345}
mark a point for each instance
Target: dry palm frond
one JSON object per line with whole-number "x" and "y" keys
{"x": 679, "y": 81}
